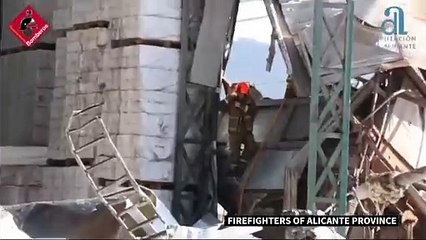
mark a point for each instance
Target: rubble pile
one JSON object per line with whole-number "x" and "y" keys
{"x": 76, "y": 216}
{"x": 8, "y": 228}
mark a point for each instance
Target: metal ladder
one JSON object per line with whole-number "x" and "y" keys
{"x": 132, "y": 218}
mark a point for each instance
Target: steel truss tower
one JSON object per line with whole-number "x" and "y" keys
{"x": 331, "y": 121}
{"x": 195, "y": 182}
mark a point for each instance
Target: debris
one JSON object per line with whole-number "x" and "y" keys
{"x": 271, "y": 55}
{"x": 389, "y": 187}
{"x": 409, "y": 220}
{"x": 8, "y": 228}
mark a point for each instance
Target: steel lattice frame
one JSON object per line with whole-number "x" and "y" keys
{"x": 330, "y": 122}
{"x": 195, "y": 187}
{"x": 195, "y": 190}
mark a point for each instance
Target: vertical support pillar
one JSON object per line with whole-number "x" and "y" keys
{"x": 195, "y": 192}
{"x": 331, "y": 123}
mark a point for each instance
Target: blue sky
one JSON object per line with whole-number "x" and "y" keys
{"x": 247, "y": 61}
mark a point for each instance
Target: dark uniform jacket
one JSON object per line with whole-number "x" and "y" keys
{"x": 242, "y": 111}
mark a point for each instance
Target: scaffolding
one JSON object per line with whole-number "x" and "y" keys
{"x": 330, "y": 117}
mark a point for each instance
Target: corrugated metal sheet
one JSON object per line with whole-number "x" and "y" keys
{"x": 367, "y": 54}
{"x": 371, "y": 46}
{"x": 372, "y": 11}
{"x": 404, "y": 132}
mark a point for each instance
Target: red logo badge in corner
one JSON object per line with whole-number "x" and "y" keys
{"x": 28, "y": 26}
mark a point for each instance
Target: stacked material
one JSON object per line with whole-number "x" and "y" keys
{"x": 84, "y": 65}
{"x": 61, "y": 22}
{"x": 118, "y": 52}
{"x": 56, "y": 133}
{"x": 148, "y": 19}
{"x": 44, "y": 78}
{"x": 147, "y": 77}
{"x": 141, "y": 107}
{"x": 28, "y": 183}
{"x": 27, "y": 91}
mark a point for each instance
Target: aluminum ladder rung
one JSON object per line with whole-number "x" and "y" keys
{"x": 153, "y": 227}
{"x": 116, "y": 183}
{"x": 87, "y": 145}
{"x": 80, "y": 112}
{"x": 109, "y": 158}
{"x": 134, "y": 207}
{"x": 153, "y": 236}
{"x": 142, "y": 224}
{"x": 122, "y": 190}
{"x": 73, "y": 130}
{"x": 117, "y": 202}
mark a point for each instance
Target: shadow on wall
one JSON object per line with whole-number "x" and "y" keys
{"x": 247, "y": 62}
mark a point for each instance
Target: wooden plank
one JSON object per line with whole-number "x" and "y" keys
{"x": 211, "y": 42}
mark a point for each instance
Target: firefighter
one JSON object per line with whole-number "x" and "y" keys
{"x": 242, "y": 111}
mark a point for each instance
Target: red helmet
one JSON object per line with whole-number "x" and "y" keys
{"x": 243, "y": 88}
